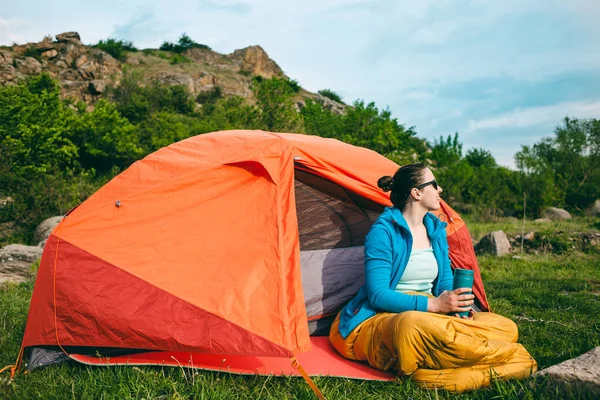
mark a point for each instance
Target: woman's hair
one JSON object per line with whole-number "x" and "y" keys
{"x": 406, "y": 178}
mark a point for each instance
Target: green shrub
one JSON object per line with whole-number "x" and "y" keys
{"x": 232, "y": 113}
{"x": 163, "y": 128}
{"x": 183, "y": 44}
{"x": 274, "y": 102}
{"x": 330, "y": 94}
{"x": 32, "y": 52}
{"x": 210, "y": 96}
{"x": 136, "y": 100}
{"x": 179, "y": 59}
{"x": 35, "y": 128}
{"x": 106, "y": 139}
{"x": 116, "y": 48}
{"x": 294, "y": 85}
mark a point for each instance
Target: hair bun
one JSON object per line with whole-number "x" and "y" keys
{"x": 385, "y": 183}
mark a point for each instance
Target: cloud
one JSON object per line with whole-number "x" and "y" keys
{"x": 538, "y": 115}
{"x": 10, "y": 30}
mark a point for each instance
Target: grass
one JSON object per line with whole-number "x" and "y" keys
{"x": 554, "y": 299}
{"x": 513, "y": 227}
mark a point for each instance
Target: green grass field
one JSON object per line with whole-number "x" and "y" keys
{"x": 554, "y": 299}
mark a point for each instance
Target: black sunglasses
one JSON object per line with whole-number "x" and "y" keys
{"x": 432, "y": 183}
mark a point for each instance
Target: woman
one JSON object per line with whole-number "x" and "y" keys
{"x": 405, "y": 316}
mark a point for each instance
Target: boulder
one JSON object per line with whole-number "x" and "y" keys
{"x": 594, "y": 209}
{"x": 493, "y": 243}
{"x": 44, "y": 45}
{"x": 43, "y": 230}
{"x": 581, "y": 373}
{"x": 556, "y": 214}
{"x": 15, "y": 261}
{"x": 69, "y": 37}
{"x": 50, "y": 53}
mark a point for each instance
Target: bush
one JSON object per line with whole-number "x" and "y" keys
{"x": 35, "y": 128}
{"x": 137, "y": 100}
{"x": 32, "y": 52}
{"x": 183, "y": 44}
{"x": 232, "y": 113}
{"x": 330, "y": 94}
{"x": 274, "y": 102}
{"x": 105, "y": 139}
{"x": 211, "y": 96}
{"x": 294, "y": 85}
{"x": 179, "y": 59}
{"x": 116, "y": 48}
{"x": 163, "y": 128}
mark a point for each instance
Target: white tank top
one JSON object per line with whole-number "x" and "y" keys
{"x": 420, "y": 272}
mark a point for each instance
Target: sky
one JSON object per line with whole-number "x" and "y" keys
{"x": 502, "y": 74}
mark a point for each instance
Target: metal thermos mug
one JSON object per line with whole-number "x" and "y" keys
{"x": 463, "y": 278}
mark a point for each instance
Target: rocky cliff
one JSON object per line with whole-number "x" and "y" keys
{"x": 84, "y": 72}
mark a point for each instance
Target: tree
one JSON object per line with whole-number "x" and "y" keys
{"x": 568, "y": 164}
{"x": 39, "y": 162}
{"x": 274, "y": 101}
{"x": 136, "y": 100}
{"x": 480, "y": 158}
{"x": 446, "y": 152}
{"x": 183, "y": 44}
{"x": 106, "y": 139}
{"x": 35, "y": 129}
{"x": 321, "y": 122}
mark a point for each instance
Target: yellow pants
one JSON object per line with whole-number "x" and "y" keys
{"x": 438, "y": 351}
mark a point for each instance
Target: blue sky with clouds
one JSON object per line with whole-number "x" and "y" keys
{"x": 500, "y": 73}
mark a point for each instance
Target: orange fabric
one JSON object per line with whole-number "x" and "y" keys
{"x": 242, "y": 212}
{"x": 439, "y": 351}
{"x": 125, "y": 311}
{"x": 462, "y": 254}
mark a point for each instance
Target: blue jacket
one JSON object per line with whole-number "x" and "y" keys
{"x": 387, "y": 250}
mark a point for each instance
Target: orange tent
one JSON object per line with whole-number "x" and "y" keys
{"x": 200, "y": 248}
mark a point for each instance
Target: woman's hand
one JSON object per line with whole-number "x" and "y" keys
{"x": 469, "y": 317}
{"x": 453, "y": 301}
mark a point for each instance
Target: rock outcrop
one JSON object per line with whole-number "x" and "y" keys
{"x": 254, "y": 60}
{"x": 581, "y": 374}
{"x": 73, "y": 64}
{"x": 85, "y": 72}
